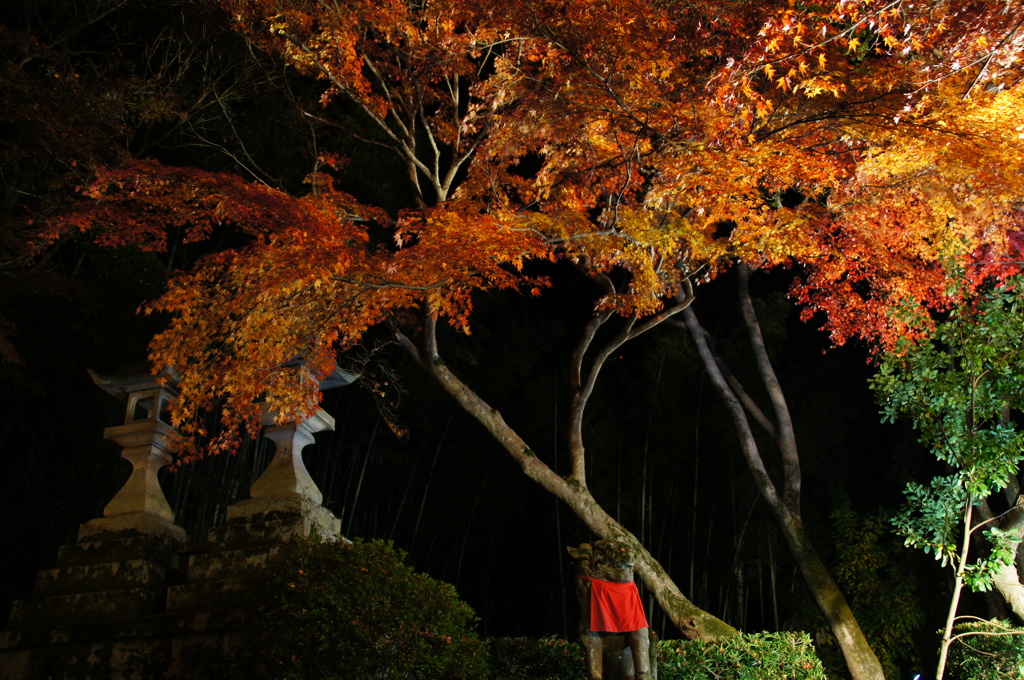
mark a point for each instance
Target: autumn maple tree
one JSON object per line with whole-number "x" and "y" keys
{"x": 652, "y": 144}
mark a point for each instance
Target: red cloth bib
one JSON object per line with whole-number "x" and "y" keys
{"x": 615, "y": 607}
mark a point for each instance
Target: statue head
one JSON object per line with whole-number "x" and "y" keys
{"x": 607, "y": 560}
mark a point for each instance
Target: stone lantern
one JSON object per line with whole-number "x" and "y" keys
{"x": 146, "y": 439}
{"x": 285, "y": 490}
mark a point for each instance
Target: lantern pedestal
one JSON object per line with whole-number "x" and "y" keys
{"x": 140, "y": 505}
{"x": 285, "y": 493}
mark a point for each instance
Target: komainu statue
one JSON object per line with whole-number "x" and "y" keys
{"x": 613, "y": 628}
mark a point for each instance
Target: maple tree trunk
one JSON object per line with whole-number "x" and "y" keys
{"x": 693, "y": 622}
{"x": 861, "y": 661}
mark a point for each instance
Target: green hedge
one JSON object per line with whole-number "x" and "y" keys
{"x": 997, "y": 653}
{"x": 779, "y": 656}
{"x": 333, "y": 611}
{"x": 532, "y": 659}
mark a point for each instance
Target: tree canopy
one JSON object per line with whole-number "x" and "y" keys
{"x": 650, "y": 143}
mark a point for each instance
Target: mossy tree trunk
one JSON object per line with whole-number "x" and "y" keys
{"x": 785, "y": 502}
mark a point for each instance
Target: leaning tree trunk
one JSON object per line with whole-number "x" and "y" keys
{"x": 860, "y": 658}
{"x": 693, "y": 622}
{"x": 785, "y": 506}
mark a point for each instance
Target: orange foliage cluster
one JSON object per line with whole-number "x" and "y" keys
{"x": 868, "y": 143}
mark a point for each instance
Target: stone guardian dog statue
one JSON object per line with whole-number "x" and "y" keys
{"x": 613, "y": 628}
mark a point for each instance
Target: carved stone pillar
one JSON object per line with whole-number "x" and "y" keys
{"x": 285, "y": 490}
{"x": 286, "y": 475}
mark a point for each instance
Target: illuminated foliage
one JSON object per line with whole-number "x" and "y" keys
{"x": 866, "y": 142}
{"x": 653, "y": 144}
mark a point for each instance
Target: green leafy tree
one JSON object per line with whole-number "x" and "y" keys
{"x": 960, "y": 388}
